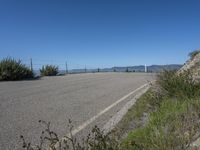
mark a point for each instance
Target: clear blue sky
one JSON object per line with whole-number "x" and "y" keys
{"x": 100, "y": 33}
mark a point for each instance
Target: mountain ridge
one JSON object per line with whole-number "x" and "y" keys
{"x": 138, "y": 68}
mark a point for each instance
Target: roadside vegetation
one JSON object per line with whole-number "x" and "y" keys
{"x": 96, "y": 140}
{"x": 49, "y": 70}
{"x": 11, "y": 69}
{"x": 172, "y": 107}
{"x": 137, "y": 115}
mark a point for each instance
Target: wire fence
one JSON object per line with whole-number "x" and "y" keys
{"x": 72, "y": 67}
{"x": 64, "y": 66}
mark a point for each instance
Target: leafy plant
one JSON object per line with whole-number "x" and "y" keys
{"x": 178, "y": 85}
{"x": 49, "y": 70}
{"x": 11, "y": 69}
{"x": 193, "y": 53}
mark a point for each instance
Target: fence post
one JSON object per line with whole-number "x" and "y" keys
{"x": 66, "y": 71}
{"x": 127, "y": 69}
{"x": 114, "y": 70}
{"x": 31, "y": 64}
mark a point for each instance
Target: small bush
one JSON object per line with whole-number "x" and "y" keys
{"x": 194, "y": 53}
{"x": 11, "y": 69}
{"x": 49, "y": 70}
{"x": 178, "y": 85}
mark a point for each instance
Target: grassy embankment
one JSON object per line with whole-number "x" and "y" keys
{"x": 166, "y": 117}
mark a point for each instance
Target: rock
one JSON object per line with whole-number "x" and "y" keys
{"x": 195, "y": 145}
{"x": 192, "y": 65}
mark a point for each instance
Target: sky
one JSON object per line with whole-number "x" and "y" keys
{"x": 99, "y": 33}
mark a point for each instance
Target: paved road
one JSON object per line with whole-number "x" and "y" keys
{"x": 79, "y": 97}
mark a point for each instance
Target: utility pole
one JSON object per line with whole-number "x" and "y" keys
{"x": 31, "y": 64}
{"x": 66, "y": 67}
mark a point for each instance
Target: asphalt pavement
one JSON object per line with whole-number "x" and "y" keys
{"x": 78, "y": 97}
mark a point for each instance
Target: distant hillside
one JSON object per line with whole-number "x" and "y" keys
{"x": 152, "y": 68}
{"x": 141, "y": 68}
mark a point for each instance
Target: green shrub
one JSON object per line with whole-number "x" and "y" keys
{"x": 193, "y": 53}
{"x": 178, "y": 85}
{"x": 49, "y": 70}
{"x": 11, "y": 69}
